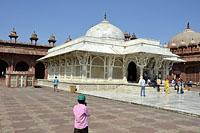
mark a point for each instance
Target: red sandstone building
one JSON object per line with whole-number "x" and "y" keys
{"x": 18, "y": 61}
{"x": 187, "y": 45}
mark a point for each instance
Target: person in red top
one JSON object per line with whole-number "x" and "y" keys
{"x": 81, "y": 114}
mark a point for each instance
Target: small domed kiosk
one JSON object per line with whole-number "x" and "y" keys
{"x": 107, "y": 55}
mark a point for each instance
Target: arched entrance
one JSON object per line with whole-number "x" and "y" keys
{"x": 3, "y": 66}
{"x": 97, "y": 69}
{"x": 21, "y": 66}
{"x": 39, "y": 70}
{"x": 132, "y": 72}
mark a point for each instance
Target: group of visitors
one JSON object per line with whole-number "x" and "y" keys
{"x": 154, "y": 83}
{"x": 178, "y": 84}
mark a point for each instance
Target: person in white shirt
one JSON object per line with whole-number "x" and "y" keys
{"x": 142, "y": 85}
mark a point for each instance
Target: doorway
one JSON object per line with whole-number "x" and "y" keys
{"x": 132, "y": 72}
{"x": 3, "y": 66}
{"x": 39, "y": 70}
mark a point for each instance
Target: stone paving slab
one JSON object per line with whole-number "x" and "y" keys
{"x": 40, "y": 110}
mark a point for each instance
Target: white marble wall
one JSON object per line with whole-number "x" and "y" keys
{"x": 84, "y": 66}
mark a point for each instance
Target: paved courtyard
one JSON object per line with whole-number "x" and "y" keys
{"x": 40, "y": 110}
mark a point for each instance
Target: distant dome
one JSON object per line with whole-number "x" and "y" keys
{"x": 105, "y": 30}
{"x": 185, "y": 38}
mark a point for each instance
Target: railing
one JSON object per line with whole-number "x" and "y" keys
{"x": 20, "y": 72}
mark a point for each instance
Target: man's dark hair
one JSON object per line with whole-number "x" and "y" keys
{"x": 82, "y": 102}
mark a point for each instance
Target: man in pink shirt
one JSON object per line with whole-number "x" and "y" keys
{"x": 81, "y": 115}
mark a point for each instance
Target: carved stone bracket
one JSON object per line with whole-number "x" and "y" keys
{"x": 170, "y": 65}
{"x": 62, "y": 62}
{"x": 111, "y": 63}
{"x": 68, "y": 62}
{"x": 159, "y": 62}
{"x": 83, "y": 58}
{"x": 141, "y": 60}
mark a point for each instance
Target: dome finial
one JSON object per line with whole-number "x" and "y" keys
{"x": 105, "y": 16}
{"x": 188, "y": 25}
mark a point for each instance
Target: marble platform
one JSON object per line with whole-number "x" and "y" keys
{"x": 187, "y": 103}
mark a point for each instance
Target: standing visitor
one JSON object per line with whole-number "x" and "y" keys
{"x": 173, "y": 82}
{"x": 55, "y": 84}
{"x": 166, "y": 86}
{"x": 142, "y": 85}
{"x": 178, "y": 85}
{"x": 145, "y": 76}
{"x": 148, "y": 82}
{"x": 189, "y": 85}
{"x": 158, "y": 81}
{"x": 181, "y": 85}
{"x": 81, "y": 115}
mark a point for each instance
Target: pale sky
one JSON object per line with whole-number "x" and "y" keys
{"x": 152, "y": 19}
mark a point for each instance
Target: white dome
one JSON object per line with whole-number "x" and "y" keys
{"x": 105, "y": 30}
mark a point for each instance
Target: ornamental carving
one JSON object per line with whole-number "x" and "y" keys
{"x": 159, "y": 62}
{"x": 141, "y": 60}
{"x": 82, "y": 58}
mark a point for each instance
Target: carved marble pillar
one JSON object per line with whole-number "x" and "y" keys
{"x": 83, "y": 61}
{"x": 111, "y": 61}
{"x": 62, "y": 68}
{"x": 164, "y": 69}
{"x": 68, "y": 68}
{"x": 158, "y": 64}
{"x": 124, "y": 68}
{"x": 168, "y": 67}
{"x": 56, "y": 67}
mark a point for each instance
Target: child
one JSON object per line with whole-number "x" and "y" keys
{"x": 81, "y": 115}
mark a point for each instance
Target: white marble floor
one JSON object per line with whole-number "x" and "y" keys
{"x": 188, "y": 103}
